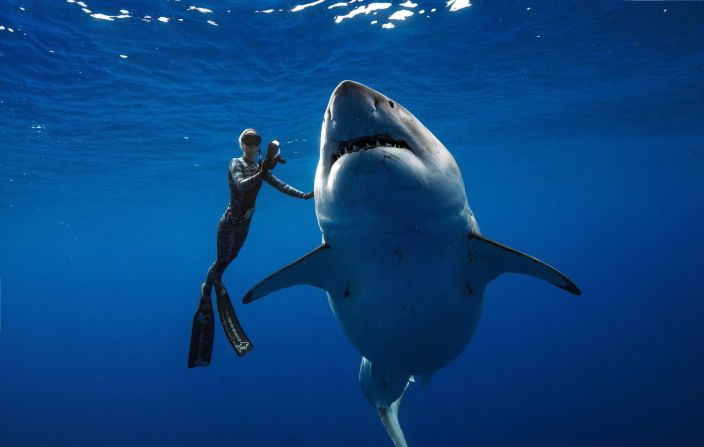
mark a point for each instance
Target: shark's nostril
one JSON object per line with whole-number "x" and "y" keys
{"x": 329, "y": 113}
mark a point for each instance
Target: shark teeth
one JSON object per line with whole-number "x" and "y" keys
{"x": 364, "y": 143}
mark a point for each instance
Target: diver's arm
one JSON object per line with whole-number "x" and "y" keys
{"x": 238, "y": 175}
{"x": 285, "y": 188}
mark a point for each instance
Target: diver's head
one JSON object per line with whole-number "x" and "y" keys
{"x": 249, "y": 142}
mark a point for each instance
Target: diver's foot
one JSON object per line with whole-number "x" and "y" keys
{"x": 202, "y": 332}
{"x": 235, "y": 334}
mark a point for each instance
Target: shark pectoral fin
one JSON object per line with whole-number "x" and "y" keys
{"x": 504, "y": 259}
{"x": 309, "y": 269}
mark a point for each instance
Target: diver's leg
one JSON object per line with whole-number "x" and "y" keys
{"x": 233, "y": 329}
{"x": 227, "y": 238}
{"x": 238, "y": 235}
{"x": 203, "y": 328}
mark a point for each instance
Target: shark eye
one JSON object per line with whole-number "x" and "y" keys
{"x": 391, "y": 104}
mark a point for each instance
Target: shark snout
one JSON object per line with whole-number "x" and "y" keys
{"x": 351, "y": 101}
{"x": 352, "y": 88}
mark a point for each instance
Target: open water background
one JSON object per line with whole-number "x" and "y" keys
{"x": 579, "y": 130}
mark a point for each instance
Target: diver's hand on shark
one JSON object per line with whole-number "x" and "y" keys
{"x": 308, "y": 195}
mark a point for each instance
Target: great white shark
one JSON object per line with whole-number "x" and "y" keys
{"x": 402, "y": 260}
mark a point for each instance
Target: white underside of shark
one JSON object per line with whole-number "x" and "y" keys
{"x": 402, "y": 260}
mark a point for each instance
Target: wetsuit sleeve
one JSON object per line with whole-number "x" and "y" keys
{"x": 283, "y": 187}
{"x": 238, "y": 173}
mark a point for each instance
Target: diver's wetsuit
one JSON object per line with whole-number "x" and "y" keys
{"x": 245, "y": 180}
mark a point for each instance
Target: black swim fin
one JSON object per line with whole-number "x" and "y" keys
{"x": 238, "y": 339}
{"x": 202, "y": 333}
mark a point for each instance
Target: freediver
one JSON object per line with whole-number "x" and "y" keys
{"x": 245, "y": 176}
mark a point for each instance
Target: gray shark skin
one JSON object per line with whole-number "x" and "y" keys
{"x": 402, "y": 261}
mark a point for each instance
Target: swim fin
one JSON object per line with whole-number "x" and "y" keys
{"x": 238, "y": 339}
{"x": 202, "y": 333}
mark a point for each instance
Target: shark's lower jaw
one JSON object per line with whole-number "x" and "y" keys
{"x": 366, "y": 143}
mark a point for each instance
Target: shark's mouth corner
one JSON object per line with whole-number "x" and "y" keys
{"x": 366, "y": 143}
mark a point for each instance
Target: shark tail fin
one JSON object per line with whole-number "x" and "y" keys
{"x": 505, "y": 259}
{"x": 389, "y": 418}
{"x": 309, "y": 269}
{"x": 384, "y": 389}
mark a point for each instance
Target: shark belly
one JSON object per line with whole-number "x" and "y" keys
{"x": 404, "y": 303}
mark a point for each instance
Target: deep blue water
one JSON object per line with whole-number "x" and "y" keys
{"x": 579, "y": 130}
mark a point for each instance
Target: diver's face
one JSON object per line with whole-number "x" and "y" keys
{"x": 250, "y": 150}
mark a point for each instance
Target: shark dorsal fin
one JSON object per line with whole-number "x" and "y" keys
{"x": 309, "y": 269}
{"x": 503, "y": 259}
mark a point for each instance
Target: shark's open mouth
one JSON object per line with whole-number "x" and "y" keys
{"x": 364, "y": 143}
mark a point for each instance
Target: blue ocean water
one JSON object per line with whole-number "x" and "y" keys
{"x": 579, "y": 130}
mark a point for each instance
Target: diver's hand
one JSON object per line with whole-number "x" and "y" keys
{"x": 308, "y": 195}
{"x": 268, "y": 164}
